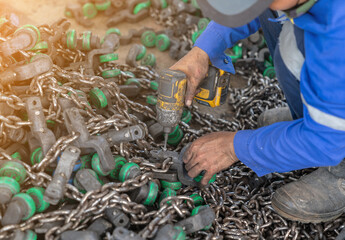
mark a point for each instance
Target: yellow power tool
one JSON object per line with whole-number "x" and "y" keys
{"x": 171, "y": 94}
{"x": 172, "y": 90}
{"x": 214, "y": 88}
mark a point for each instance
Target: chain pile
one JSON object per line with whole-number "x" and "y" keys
{"x": 240, "y": 199}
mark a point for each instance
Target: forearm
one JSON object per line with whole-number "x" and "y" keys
{"x": 288, "y": 146}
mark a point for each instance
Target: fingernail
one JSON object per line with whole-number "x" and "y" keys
{"x": 189, "y": 102}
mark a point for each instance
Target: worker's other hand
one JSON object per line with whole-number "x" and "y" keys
{"x": 195, "y": 66}
{"x": 212, "y": 153}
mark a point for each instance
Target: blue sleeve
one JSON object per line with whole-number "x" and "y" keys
{"x": 217, "y": 38}
{"x": 319, "y": 138}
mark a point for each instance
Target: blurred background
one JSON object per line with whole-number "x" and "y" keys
{"x": 38, "y": 12}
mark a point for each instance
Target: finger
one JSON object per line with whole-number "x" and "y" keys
{"x": 195, "y": 171}
{"x": 191, "y": 89}
{"x": 191, "y": 164}
{"x": 207, "y": 177}
{"x": 188, "y": 155}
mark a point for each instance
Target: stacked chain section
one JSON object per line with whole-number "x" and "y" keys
{"x": 80, "y": 148}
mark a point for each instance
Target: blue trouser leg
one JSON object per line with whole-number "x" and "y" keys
{"x": 287, "y": 81}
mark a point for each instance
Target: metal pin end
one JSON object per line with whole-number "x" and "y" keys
{"x": 165, "y": 141}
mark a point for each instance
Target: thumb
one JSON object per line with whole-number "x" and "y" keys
{"x": 192, "y": 85}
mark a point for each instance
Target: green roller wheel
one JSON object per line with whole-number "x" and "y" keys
{"x": 119, "y": 163}
{"x": 50, "y": 123}
{"x": 86, "y": 161}
{"x": 10, "y": 183}
{"x": 142, "y": 53}
{"x": 202, "y": 24}
{"x": 164, "y": 4}
{"x": 186, "y": 116}
{"x": 237, "y": 50}
{"x": 168, "y": 192}
{"x": 149, "y": 60}
{"x": 30, "y": 235}
{"x": 37, "y": 56}
{"x": 196, "y": 211}
{"x": 175, "y": 137}
{"x": 17, "y": 156}
{"x": 174, "y": 132}
{"x": 89, "y": 10}
{"x": 43, "y": 45}
{"x": 98, "y": 98}
{"x": 110, "y": 31}
{"x": 267, "y": 64}
{"x": 152, "y": 100}
{"x": 162, "y": 42}
{"x": 103, "y": 6}
{"x": 13, "y": 170}
{"x": 141, "y": 6}
{"x": 133, "y": 81}
{"x": 197, "y": 199}
{"x": 180, "y": 233}
{"x": 132, "y": 75}
{"x": 195, "y": 4}
{"x": 96, "y": 165}
{"x": 113, "y": 30}
{"x": 172, "y": 185}
{"x": 34, "y": 28}
{"x": 37, "y": 194}
{"x": 148, "y": 39}
{"x": 86, "y": 41}
{"x": 201, "y": 175}
{"x": 71, "y": 39}
{"x": 29, "y": 202}
{"x": 270, "y": 72}
{"x": 80, "y": 95}
{"x": 111, "y": 73}
{"x": 36, "y": 156}
{"x": 153, "y": 193}
{"x": 263, "y": 42}
{"x": 154, "y": 85}
{"x": 108, "y": 57}
{"x": 195, "y": 36}
{"x": 129, "y": 171}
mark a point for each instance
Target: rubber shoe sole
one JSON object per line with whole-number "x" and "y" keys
{"x": 310, "y": 219}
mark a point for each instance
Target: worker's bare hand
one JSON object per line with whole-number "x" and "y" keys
{"x": 195, "y": 66}
{"x": 211, "y": 153}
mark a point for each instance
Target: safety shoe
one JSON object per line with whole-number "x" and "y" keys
{"x": 314, "y": 198}
{"x": 274, "y": 115}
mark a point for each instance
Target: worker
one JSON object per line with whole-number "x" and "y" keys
{"x": 306, "y": 39}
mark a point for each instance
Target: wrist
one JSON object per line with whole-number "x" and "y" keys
{"x": 230, "y": 140}
{"x": 200, "y": 54}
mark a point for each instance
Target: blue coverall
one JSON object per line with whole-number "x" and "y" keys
{"x": 316, "y": 97}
